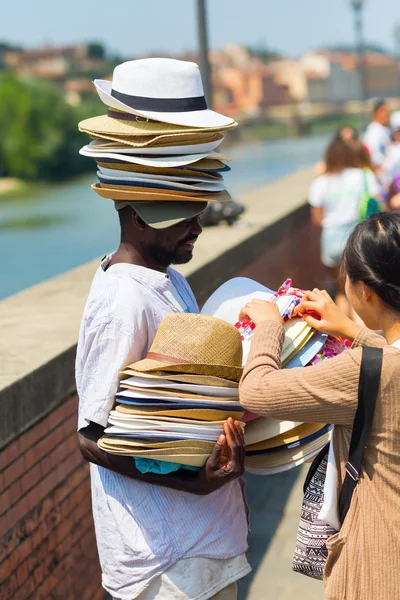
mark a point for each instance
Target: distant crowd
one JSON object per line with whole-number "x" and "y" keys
{"x": 355, "y": 169}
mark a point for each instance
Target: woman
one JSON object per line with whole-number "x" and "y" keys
{"x": 364, "y": 557}
{"x": 335, "y": 199}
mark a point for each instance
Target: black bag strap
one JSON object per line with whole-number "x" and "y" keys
{"x": 368, "y": 388}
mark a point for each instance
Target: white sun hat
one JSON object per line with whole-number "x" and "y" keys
{"x": 161, "y": 89}
{"x": 168, "y": 161}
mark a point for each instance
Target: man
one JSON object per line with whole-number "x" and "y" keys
{"x": 377, "y": 135}
{"x": 166, "y": 537}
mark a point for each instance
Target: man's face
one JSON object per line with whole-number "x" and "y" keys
{"x": 174, "y": 245}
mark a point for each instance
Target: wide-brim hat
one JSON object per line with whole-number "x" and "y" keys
{"x": 298, "y": 435}
{"x": 161, "y": 89}
{"x": 125, "y": 124}
{"x": 293, "y": 456}
{"x": 157, "y": 393}
{"x": 179, "y": 175}
{"x": 189, "y": 144}
{"x": 181, "y": 377}
{"x": 264, "y": 428}
{"x": 197, "y": 344}
{"x": 199, "y": 414}
{"x": 161, "y": 215}
{"x": 152, "y": 160}
{"x": 308, "y": 351}
{"x": 286, "y": 467}
{"x": 139, "y": 194}
{"x": 161, "y": 184}
{"x": 139, "y": 444}
{"x": 143, "y": 383}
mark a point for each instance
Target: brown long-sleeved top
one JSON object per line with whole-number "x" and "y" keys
{"x": 364, "y": 557}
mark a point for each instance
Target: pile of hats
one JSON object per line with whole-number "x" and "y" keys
{"x": 158, "y": 140}
{"x": 273, "y": 446}
{"x": 171, "y": 405}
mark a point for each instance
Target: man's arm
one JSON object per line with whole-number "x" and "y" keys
{"x": 225, "y": 463}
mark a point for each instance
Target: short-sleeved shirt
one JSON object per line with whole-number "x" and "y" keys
{"x": 141, "y": 529}
{"x": 339, "y": 195}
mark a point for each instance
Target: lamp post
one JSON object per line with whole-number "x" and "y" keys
{"x": 203, "y": 49}
{"x": 357, "y": 6}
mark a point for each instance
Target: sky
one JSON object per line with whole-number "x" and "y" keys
{"x": 130, "y": 27}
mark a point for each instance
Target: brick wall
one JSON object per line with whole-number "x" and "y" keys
{"x": 48, "y": 548}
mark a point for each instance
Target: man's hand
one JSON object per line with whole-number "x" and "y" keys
{"x": 227, "y": 459}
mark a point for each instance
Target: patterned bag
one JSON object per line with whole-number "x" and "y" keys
{"x": 311, "y": 553}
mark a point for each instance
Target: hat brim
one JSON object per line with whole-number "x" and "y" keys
{"x": 180, "y": 377}
{"x": 224, "y": 371}
{"x": 152, "y": 161}
{"x": 116, "y": 192}
{"x": 263, "y": 429}
{"x": 130, "y": 180}
{"x": 103, "y": 124}
{"x": 161, "y": 215}
{"x": 164, "y": 147}
{"x": 199, "y": 118}
{"x": 302, "y": 434}
{"x": 198, "y": 414}
{"x": 294, "y": 456}
{"x": 162, "y": 392}
{"x": 177, "y": 174}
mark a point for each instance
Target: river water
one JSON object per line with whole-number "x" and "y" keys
{"x": 54, "y": 228}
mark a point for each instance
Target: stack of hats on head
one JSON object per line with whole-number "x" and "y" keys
{"x": 158, "y": 140}
{"x": 171, "y": 405}
{"x": 273, "y": 446}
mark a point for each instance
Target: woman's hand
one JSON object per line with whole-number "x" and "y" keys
{"x": 259, "y": 311}
{"x": 227, "y": 459}
{"x": 333, "y": 320}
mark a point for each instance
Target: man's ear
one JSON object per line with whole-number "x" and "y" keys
{"x": 138, "y": 222}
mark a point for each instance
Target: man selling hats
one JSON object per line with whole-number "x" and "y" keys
{"x": 181, "y": 535}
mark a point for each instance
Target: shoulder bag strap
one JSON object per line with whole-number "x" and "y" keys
{"x": 368, "y": 388}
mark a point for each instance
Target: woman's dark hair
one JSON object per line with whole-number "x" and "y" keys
{"x": 340, "y": 155}
{"x": 372, "y": 255}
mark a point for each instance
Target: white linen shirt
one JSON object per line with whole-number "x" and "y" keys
{"x": 143, "y": 529}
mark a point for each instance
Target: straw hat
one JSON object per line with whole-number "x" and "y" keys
{"x": 139, "y": 194}
{"x": 161, "y": 184}
{"x": 175, "y": 174}
{"x": 108, "y": 442}
{"x": 158, "y": 392}
{"x": 263, "y": 429}
{"x": 287, "y": 467}
{"x": 161, "y": 89}
{"x": 273, "y": 460}
{"x": 198, "y": 414}
{"x": 169, "y": 144}
{"x": 197, "y": 344}
{"x": 300, "y": 434}
{"x": 180, "y": 377}
{"x": 123, "y": 124}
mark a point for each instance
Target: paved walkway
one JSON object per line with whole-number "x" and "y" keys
{"x": 274, "y": 511}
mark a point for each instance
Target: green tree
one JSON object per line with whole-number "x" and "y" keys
{"x": 39, "y": 136}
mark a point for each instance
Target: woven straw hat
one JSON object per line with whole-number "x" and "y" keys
{"x": 198, "y": 414}
{"x": 273, "y": 460}
{"x": 197, "y": 344}
{"x": 293, "y": 436}
{"x": 182, "y": 378}
{"x": 124, "y": 124}
{"x": 189, "y": 143}
{"x": 108, "y": 442}
{"x": 160, "y": 160}
{"x": 139, "y": 194}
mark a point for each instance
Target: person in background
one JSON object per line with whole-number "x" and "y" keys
{"x": 391, "y": 164}
{"x": 346, "y": 133}
{"x": 363, "y": 561}
{"x": 335, "y": 197}
{"x": 377, "y": 135}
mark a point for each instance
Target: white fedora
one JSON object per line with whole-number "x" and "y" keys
{"x": 161, "y": 89}
{"x": 152, "y": 161}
